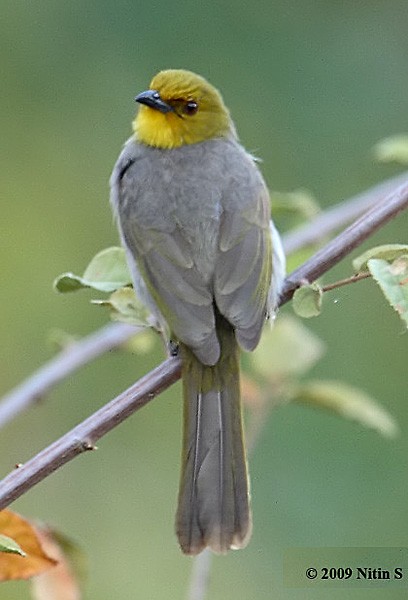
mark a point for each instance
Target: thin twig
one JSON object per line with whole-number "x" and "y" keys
{"x": 84, "y": 435}
{"x": 336, "y": 217}
{"x": 68, "y": 360}
{"x": 346, "y": 281}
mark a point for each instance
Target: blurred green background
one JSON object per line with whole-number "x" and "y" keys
{"x": 312, "y": 86}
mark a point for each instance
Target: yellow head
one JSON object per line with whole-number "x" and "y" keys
{"x": 180, "y": 108}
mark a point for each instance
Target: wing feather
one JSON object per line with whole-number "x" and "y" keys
{"x": 243, "y": 270}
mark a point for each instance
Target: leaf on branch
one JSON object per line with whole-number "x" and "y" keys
{"x": 106, "y": 272}
{"x": 10, "y": 546}
{"x": 388, "y": 252}
{"x": 299, "y": 203}
{"x": 34, "y": 559}
{"x": 289, "y": 350}
{"x": 349, "y": 402}
{"x": 392, "y": 149}
{"x": 126, "y": 307}
{"x": 307, "y": 300}
{"x": 393, "y": 281}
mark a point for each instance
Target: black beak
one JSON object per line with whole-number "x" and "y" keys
{"x": 152, "y": 99}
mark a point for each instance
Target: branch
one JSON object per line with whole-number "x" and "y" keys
{"x": 83, "y": 436}
{"x": 353, "y": 279}
{"x": 113, "y": 335}
{"x": 71, "y": 358}
{"x": 339, "y": 215}
{"x": 347, "y": 241}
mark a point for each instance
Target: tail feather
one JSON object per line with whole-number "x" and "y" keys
{"x": 213, "y": 507}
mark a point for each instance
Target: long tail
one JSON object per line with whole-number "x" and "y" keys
{"x": 213, "y": 505}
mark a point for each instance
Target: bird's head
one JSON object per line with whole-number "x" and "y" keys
{"x": 180, "y": 108}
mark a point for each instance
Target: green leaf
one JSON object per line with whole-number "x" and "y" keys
{"x": 393, "y": 281}
{"x": 307, "y": 301}
{"x": 289, "y": 349}
{"x": 10, "y": 546}
{"x": 299, "y": 202}
{"x": 106, "y": 272}
{"x": 126, "y": 307}
{"x": 387, "y": 252}
{"x": 392, "y": 149}
{"x": 348, "y": 402}
{"x": 68, "y": 282}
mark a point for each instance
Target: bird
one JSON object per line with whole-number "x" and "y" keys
{"x": 193, "y": 213}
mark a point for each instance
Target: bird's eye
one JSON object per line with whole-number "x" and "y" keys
{"x": 190, "y": 108}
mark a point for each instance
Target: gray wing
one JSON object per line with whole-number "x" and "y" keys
{"x": 155, "y": 241}
{"x": 243, "y": 271}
